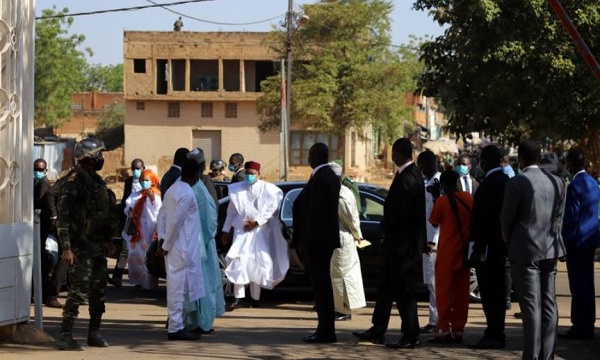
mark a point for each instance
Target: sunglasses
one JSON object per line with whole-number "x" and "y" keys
{"x": 38, "y": 169}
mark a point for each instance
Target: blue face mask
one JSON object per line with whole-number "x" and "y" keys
{"x": 137, "y": 173}
{"x": 146, "y": 184}
{"x": 39, "y": 175}
{"x": 463, "y": 170}
{"x": 250, "y": 179}
{"x": 232, "y": 168}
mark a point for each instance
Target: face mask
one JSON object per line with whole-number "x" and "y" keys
{"x": 39, "y": 174}
{"x": 232, "y": 167}
{"x": 137, "y": 173}
{"x": 463, "y": 170}
{"x": 146, "y": 184}
{"x": 250, "y": 179}
{"x": 99, "y": 164}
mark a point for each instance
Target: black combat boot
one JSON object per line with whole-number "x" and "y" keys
{"x": 65, "y": 339}
{"x": 94, "y": 337}
{"x": 116, "y": 279}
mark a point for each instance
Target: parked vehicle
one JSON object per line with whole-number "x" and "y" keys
{"x": 372, "y": 198}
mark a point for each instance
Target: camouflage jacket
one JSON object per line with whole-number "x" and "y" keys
{"x": 86, "y": 210}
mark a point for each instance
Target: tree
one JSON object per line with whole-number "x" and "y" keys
{"x": 344, "y": 74}
{"x": 59, "y": 68}
{"x": 111, "y": 129}
{"x": 105, "y": 78}
{"x": 510, "y": 69}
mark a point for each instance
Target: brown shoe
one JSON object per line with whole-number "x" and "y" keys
{"x": 53, "y": 303}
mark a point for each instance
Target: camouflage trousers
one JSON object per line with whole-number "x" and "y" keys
{"x": 87, "y": 282}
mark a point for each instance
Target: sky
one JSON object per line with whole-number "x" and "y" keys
{"x": 104, "y": 32}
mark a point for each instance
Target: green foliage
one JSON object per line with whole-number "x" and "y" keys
{"x": 344, "y": 73}
{"x": 111, "y": 127}
{"x": 104, "y": 78}
{"x": 59, "y": 68}
{"x": 510, "y": 69}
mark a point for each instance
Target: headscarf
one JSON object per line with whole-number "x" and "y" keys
{"x": 139, "y": 205}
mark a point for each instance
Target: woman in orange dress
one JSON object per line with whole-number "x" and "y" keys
{"x": 452, "y": 213}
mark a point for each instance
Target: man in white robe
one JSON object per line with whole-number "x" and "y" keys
{"x": 427, "y": 162}
{"x": 259, "y": 254}
{"x": 346, "y": 276}
{"x": 181, "y": 229}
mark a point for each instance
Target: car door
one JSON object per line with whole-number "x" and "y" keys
{"x": 286, "y": 217}
{"x": 371, "y": 257}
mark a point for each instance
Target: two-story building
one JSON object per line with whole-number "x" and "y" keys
{"x": 199, "y": 89}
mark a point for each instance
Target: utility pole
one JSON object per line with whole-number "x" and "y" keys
{"x": 288, "y": 89}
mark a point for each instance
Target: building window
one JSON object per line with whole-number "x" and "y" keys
{"x": 231, "y": 110}
{"x": 301, "y": 142}
{"x": 173, "y": 110}
{"x": 139, "y": 66}
{"x": 140, "y": 105}
{"x": 207, "y": 110}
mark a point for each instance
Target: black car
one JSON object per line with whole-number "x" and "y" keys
{"x": 372, "y": 198}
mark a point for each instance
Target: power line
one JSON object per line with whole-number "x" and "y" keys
{"x": 119, "y": 9}
{"x": 214, "y": 22}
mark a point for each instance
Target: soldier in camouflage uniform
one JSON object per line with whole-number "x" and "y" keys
{"x": 86, "y": 218}
{"x": 217, "y": 169}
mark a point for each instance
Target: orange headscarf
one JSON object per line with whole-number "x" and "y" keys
{"x": 139, "y": 205}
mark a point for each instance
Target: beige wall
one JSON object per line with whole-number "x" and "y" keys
{"x": 152, "y": 136}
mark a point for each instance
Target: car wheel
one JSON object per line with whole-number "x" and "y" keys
{"x": 227, "y": 285}
{"x": 474, "y": 294}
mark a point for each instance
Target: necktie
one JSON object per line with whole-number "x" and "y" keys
{"x": 467, "y": 187}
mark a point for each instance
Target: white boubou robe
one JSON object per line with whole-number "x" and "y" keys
{"x": 259, "y": 256}
{"x": 138, "y": 275}
{"x": 346, "y": 276}
{"x": 433, "y": 235}
{"x": 180, "y": 228}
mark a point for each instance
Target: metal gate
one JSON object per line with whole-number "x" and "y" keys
{"x": 210, "y": 142}
{"x": 16, "y": 161}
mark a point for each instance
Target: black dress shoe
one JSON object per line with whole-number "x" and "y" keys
{"x": 428, "y": 329}
{"x": 576, "y": 335}
{"x": 370, "y": 336}
{"x": 403, "y": 344}
{"x": 518, "y": 315}
{"x": 319, "y": 339}
{"x": 487, "y": 343}
{"x": 182, "y": 335}
{"x": 200, "y": 330}
{"x": 342, "y": 317}
{"x": 237, "y": 304}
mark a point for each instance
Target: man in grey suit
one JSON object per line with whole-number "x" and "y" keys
{"x": 530, "y": 221}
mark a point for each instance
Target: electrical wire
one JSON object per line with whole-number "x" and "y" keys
{"x": 215, "y": 22}
{"x": 133, "y": 8}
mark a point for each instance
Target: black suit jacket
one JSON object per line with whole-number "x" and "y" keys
{"x": 238, "y": 176}
{"x": 403, "y": 221}
{"x": 169, "y": 179}
{"x": 485, "y": 221}
{"x": 316, "y": 227}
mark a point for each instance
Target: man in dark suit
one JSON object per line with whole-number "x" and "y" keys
{"x": 236, "y": 166}
{"x": 174, "y": 172}
{"x": 466, "y": 181}
{"x": 316, "y": 235}
{"x": 530, "y": 219}
{"x": 489, "y": 249}
{"x": 43, "y": 199}
{"x": 404, "y": 240}
{"x": 581, "y": 236}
